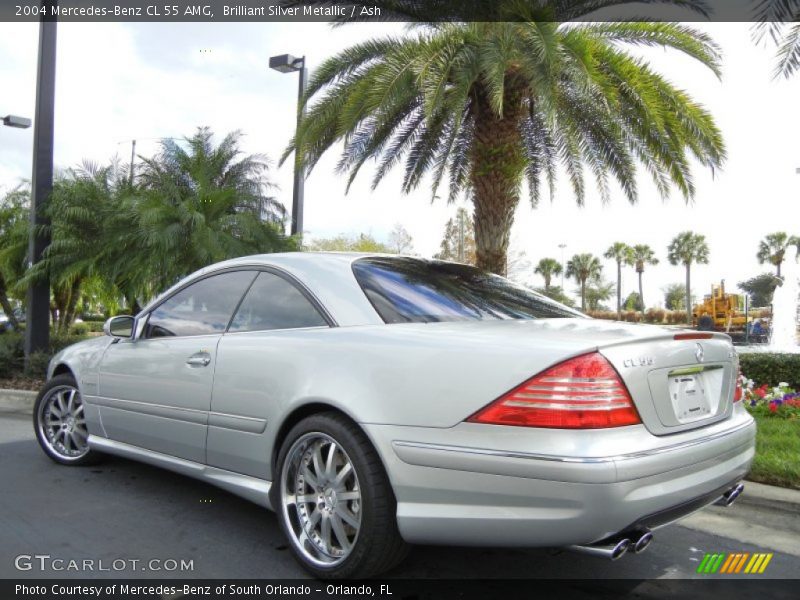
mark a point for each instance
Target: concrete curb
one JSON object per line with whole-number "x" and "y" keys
{"x": 755, "y": 494}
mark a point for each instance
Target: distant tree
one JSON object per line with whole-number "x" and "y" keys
{"x": 583, "y": 267}
{"x": 675, "y": 296}
{"x": 760, "y": 288}
{"x": 458, "y": 242}
{"x": 772, "y": 249}
{"x": 548, "y": 268}
{"x": 555, "y": 292}
{"x": 633, "y": 302}
{"x": 620, "y": 253}
{"x": 642, "y": 255}
{"x": 598, "y": 291}
{"x": 363, "y": 242}
{"x": 688, "y": 248}
{"x": 400, "y": 241}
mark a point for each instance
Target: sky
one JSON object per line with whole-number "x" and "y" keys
{"x": 145, "y": 81}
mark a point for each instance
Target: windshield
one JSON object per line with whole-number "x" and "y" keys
{"x": 409, "y": 290}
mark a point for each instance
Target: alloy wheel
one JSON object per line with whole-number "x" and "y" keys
{"x": 321, "y": 499}
{"x": 62, "y": 425}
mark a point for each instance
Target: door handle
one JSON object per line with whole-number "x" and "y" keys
{"x": 198, "y": 360}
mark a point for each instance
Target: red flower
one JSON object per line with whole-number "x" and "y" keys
{"x": 773, "y": 407}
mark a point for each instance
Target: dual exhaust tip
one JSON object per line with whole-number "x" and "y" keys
{"x": 634, "y": 541}
{"x": 731, "y": 495}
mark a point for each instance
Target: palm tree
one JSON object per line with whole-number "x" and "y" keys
{"x": 621, "y": 253}
{"x": 14, "y": 217}
{"x": 772, "y": 249}
{"x": 486, "y": 105}
{"x": 641, "y": 255}
{"x": 780, "y": 21}
{"x": 548, "y": 268}
{"x": 687, "y": 248}
{"x": 583, "y": 267}
{"x": 199, "y": 203}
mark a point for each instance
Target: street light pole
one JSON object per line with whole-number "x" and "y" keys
{"x": 562, "y": 246}
{"x": 286, "y": 63}
{"x": 37, "y": 331}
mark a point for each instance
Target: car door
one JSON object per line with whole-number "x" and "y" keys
{"x": 155, "y": 389}
{"x": 261, "y": 362}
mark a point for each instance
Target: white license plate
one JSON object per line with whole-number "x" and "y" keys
{"x": 689, "y": 396}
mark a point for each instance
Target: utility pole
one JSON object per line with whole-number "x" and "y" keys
{"x": 37, "y": 331}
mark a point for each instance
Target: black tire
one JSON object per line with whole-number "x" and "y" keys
{"x": 377, "y": 546}
{"x": 80, "y": 456}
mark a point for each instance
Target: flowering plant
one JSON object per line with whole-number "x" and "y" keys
{"x": 779, "y": 400}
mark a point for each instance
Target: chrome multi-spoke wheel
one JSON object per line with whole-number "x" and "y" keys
{"x": 60, "y": 422}
{"x": 321, "y": 498}
{"x": 334, "y": 500}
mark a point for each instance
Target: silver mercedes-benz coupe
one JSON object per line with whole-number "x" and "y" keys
{"x": 374, "y": 401}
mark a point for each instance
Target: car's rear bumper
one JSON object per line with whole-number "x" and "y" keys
{"x": 493, "y": 486}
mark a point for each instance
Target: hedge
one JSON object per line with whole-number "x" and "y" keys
{"x": 771, "y": 368}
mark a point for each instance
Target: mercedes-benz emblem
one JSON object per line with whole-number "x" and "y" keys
{"x": 699, "y": 353}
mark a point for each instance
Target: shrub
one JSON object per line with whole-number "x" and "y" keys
{"x": 602, "y": 314}
{"x": 654, "y": 315}
{"x": 11, "y": 353}
{"x": 37, "y": 365}
{"x": 631, "y": 316}
{"x": 80, "y": 329}
{"x": 769, "y": 368}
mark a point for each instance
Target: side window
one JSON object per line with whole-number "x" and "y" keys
{"x": 202, "y": 308}
{"x": 274, "y": 303}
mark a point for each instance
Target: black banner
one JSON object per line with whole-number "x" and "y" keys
{"x": 396, "y": 10}
{"x": 389, "y": 589}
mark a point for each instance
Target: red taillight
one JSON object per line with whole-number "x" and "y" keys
{"x": 693, "y": 336}
{"x": 584, "y": 392}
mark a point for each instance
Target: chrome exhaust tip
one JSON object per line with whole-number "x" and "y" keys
{"x": 612, "y": 551}
{"x": 729, "y": 497}
{"x": 641, "y": 544}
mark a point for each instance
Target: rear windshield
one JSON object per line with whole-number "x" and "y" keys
{"x": 408, "y": 290}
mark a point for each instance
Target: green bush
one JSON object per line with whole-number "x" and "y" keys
{"x": 11, "y": 354}
{"x": 771, "y": 368}
{"x": 37, "y": 365}
{"x": 80, "y": 328}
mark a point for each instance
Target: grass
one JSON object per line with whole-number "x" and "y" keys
{"x": 777, "y": 460}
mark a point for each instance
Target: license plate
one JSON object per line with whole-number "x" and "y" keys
{"x": 689, "y": 395}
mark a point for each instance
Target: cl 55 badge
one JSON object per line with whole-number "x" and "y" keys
{"x": 642, "y": 361}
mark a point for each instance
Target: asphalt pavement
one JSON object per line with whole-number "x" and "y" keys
{"x": 132, "y": 513}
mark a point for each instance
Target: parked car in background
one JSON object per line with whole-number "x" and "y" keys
{"x": 378, "y": 401}
{"x": 5, "y": 322}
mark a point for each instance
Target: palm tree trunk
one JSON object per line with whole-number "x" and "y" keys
{"x": 641, "y": 293}
{"x": 547, "y": 282}
{"x": 6, "y": 304}
{"x": 72, "y": 303}
{"x": 497, "y": 167}
{"x": 583, "y": 294}
{"x": 619, "y": 290}
{"x": 688, "y": 295}
{"x": 779, "y": 269}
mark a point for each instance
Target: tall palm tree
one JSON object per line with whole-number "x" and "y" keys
{"x": 583, "y": 267}
{"x": 620, "y": 253}
{"x": 14, "y": 218}
{"x": 642, "y": 255}
{"x": 772, "y": 249}
{"x": 548, "y": 268}
{"x": 685, "y": 249}
{"x": 486, "y": 105}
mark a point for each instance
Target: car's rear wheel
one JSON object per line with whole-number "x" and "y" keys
{"x": 335, "y": 502}
{"x": 60, "y": 424}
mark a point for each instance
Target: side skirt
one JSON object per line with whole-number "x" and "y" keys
{"x": 251, "y": 488}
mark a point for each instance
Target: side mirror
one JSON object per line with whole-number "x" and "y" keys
{"x": 119, "y": 327}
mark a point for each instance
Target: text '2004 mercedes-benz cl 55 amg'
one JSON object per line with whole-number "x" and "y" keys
{"x": 375, "y": 401}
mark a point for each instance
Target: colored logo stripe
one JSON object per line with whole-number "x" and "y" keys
{"x": 721, "y": 562}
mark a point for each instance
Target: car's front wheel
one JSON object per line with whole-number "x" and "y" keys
{"x": 60, "y": 424}
{"x": 335, "y": 502}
